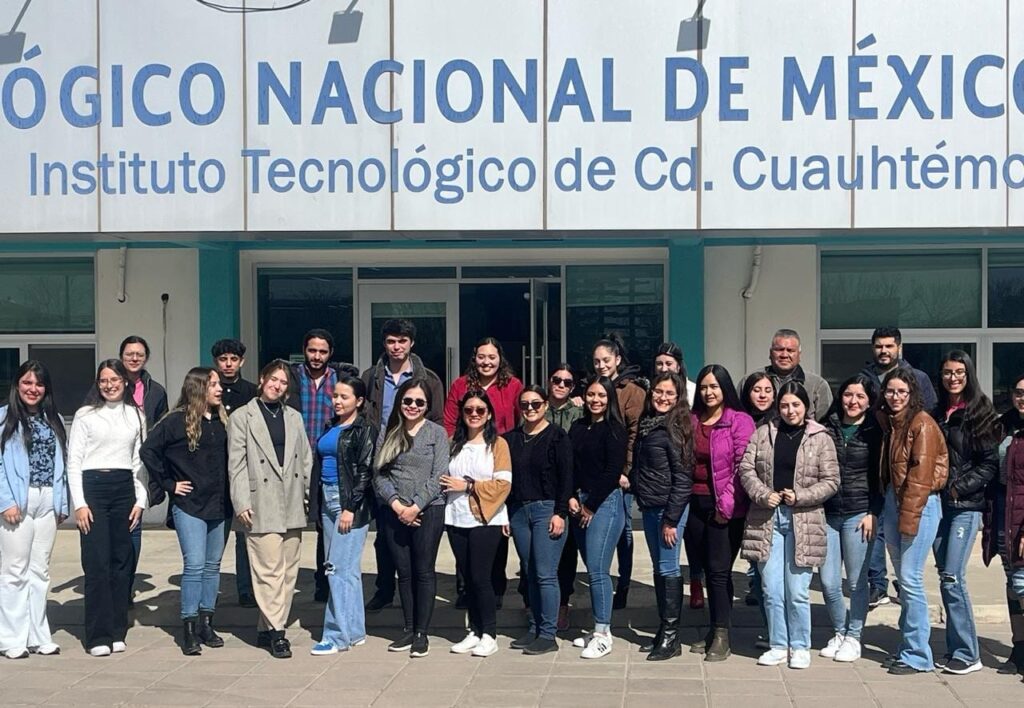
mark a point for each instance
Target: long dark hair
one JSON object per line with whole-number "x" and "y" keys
{"x": 915, "y": 404}
{"x": 673, "y": 350}
{"x": 17, "y": 411}
{"x": 461, "y": 434}
{"x": 612, "y": 413}
{"x": 505, "y": 372}
{"x": 793, "y": 388}
{"x": 1011, "y": 422}
{"x": 95, "y": 399}
{"x": 980, "y": 417}
{"x": 730, "y": 399}
{"x": 748, "y": 406}
{"x": 870, "y": 388}
{"x": 677, "y": 420}
{"x": 614, "y": 343}
{"x": 358, "y": 388}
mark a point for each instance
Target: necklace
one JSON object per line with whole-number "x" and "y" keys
{"x": 272, "y": 414}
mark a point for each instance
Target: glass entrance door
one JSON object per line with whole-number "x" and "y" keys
{"x": 540, "y": 327}
{"x": 434, "y": 309}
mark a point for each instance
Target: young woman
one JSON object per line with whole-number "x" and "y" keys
{"x": 407, "y": 480}
{"x": 489, "y": 371}
{"x": 563, "y": 410}
{"x": 852, "y": 514}
{"x": 269, "y": 467}
{"x": 187, "y": 456}
{"x": 788, "y": 470}
{"x": 718, "y": 504}
{"x": 668, "y": 359}
{"x": 477, "y": 484}
{"x": 344, "y": 454}
{"x": 542, "y": 475}
{"x": 108, "y": 495}
{"x": 913, "y": 471}
{"x": 758, "y": 398}
{"x": 599, "y": 441}
{"x": 662, "y": 479}
{"x": 33, "y": 502}
{"x": 971, "y": 429}
{"x": 609, "y": 359}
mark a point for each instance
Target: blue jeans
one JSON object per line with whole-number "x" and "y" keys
{"x": 344, "y": 618}
{"x": 846, "y": 548}
{"x": 878, "y": 578}
{"x": 624, "y": 548}
{"x": 909, "y": 554}
{"x": 539, "y": 555}
{"x": 202, "y": 545}
{"x": 952, "y": 548}
{"x": 786, "y": 587}
{"x": 597, "y": 545}
{"x": 664, "y": 559}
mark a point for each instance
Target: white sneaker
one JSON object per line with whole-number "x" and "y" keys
{"x": 850, "y": 651}
{"x": 773, "y": 657}
{"x": 583, "y": 640}
{"x": 118, "y": 647}
{"x": 800, "y": 659}
{"x": 466, "y": 645}
{"x": 830, "y": 649}
{"x": 598, "y": 646}
{"x": 101, "y": 650}
{"x": 486, "y": 646}
{"x": 47, "y": 649}
{"x": 19, "y": 653}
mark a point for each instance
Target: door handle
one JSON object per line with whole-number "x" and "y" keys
{"x": 448, "y": 367}
{"x": 522, "y": 371}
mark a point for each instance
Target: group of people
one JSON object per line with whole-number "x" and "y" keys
{"x": 775, "y": 470}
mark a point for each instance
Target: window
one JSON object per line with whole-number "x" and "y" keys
{"x": 292, "y": 302}
{"x": 1005, "y": 288}
{"x": 54, "y": 295}
{"x": 841, "y": 360}
{"x": 907, "y": 290}
{"x": 1007, "y": 366}
{"x": 610, "y": 298}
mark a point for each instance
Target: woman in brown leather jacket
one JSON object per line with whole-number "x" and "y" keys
{"x": 914, "y": 467}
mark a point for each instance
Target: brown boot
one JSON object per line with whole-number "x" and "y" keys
{"x": 719, "y": 649}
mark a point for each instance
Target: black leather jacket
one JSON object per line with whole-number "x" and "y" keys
{"x": 355, "y": 470}
{"x": 971, "y": 467}
{"x": 659, "y": 478}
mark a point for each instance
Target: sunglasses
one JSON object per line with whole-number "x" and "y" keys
{"x": 410, "y": 402}
{"x": 559, "y": 381}
{"x": 530, "y": 405}
{"x": 474, "y": 410}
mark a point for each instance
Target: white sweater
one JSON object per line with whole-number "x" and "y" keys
{"x": 103, "y": 438}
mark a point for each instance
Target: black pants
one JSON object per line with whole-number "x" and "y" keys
{"x": 499, "y": 581}
{"x": 567, "y": 568}
{"x": 320, "y": 574}
{"x": 717, "y": 546}
{"x": 385, "y": 582}
{"x": 414, "y": 551}
{"x": 475, "y": 551}
{"x": 107, "y": 555}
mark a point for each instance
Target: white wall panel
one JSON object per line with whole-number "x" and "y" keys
{"x": 1015, "y": 120}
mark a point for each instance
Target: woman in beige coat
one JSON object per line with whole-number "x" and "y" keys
{"x": 789, "y": 470}
{"x": 269, "y": 465}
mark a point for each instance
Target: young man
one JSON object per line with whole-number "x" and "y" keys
{"x": 784, "y": 356}
{"x": 228, "y": 358}
{"x": 887, "y": 348}
{"x": 396, "y": 366}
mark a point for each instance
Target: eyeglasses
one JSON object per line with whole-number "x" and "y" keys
{"x": 410, "y": 402}
{"x": 109, "y": 383}
{"x": 893, "y": 393}
{"x": 960, "y": 374}
{"x": 559, "y": 381}
{"x": 530, "y": 405}
{"x": 474, "y": 410}
{"x": 1018, "y": 393}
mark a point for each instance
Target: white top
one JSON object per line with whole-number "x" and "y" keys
{"x": 104, "y": 438}
{"x": 476, "y": 462}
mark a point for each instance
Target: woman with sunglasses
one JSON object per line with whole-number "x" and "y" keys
{"x": 412, "y": 459}
{"x": 662, "y": 479}
{"x": 33, "y": 502}
{"x": 914, "y": 468}
{"x": 563, "y": 409}
{"x": 108, "y": 495}
{"x": 477, "y": 484}
{"x": 542, "y": 471}
{"x": 599, "y": 441}
{"x": 969, "y": 424}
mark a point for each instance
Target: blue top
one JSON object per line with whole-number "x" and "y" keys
{"x": 16, "y": 474}
{"x": 387, "y": 401}
{"x": 327, "y": 448}
{"x": 42, "y": 453}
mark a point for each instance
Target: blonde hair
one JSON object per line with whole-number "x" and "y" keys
{"x": 396, "y": 439}
{"x": 192, "y": 404}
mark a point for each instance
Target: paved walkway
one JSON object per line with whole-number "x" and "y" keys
{"x": 153, "y": 671}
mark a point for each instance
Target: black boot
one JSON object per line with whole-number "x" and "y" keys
{"x": 701, "y": 646}
{"x": 280, "y": 648}
{"x": 1015, "y": 664}
{"x": 668, "y": 647}
{"x": 719, "y": 649}
{"x": 190, "y": 645}
{"x": 659, "y": 595}
{"x": 206, "y": 633}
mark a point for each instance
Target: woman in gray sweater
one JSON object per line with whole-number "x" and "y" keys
{"x": 407, "y": 474}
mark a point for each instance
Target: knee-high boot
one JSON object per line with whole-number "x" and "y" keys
{"x": 668, "y": 647}
{"x": 659, "y": 595}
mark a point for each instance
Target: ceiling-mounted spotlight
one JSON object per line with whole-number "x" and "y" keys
{"x": 345, "y": 25}
{"x": 693, "y": 31}
{"x": 12, "y": 44}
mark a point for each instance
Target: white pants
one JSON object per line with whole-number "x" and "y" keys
{"x": 25, "y": 573}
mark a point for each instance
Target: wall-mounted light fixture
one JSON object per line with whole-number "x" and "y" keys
{"x": 693, "y": 31}
{"x": 12, "y": 44}
{"x": 345, "y": 25}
